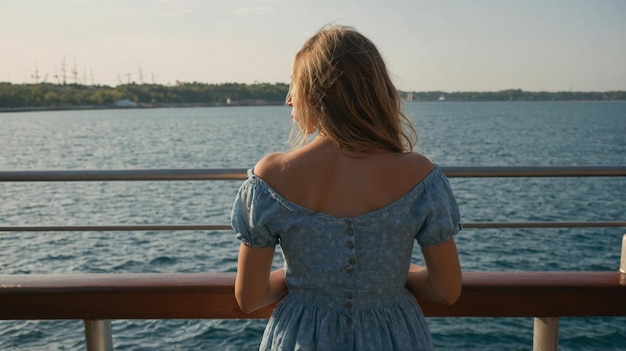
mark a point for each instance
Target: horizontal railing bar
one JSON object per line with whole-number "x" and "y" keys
{"x": 597, "y": 224}
{"x": 112, "y": 228}
{"x": 240, "y": 173}
{"x": 535, "y": 171}
{"x": 171, "y": 227}
{"x": 124, "y": 175}
{"x": 211, "y": 295}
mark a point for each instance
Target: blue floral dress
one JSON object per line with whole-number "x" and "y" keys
{"x": 346, "y": 276}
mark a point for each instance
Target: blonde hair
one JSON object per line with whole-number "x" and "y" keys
{"x": 341, "y": 85}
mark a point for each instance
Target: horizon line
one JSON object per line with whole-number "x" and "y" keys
{"x": 282, "y": 83}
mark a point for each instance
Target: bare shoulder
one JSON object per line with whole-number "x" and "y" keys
{"x": 270, "y": 166}
{"x": 419, "y": 160}
{"x": 418, "y": 164}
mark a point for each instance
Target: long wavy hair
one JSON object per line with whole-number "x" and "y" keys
{"x": 342, "y": 88}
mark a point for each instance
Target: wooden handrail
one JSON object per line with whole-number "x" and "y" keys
{"x": 210, "y": 295}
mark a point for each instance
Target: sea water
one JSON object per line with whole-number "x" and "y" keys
{"x": 451, "y": 134}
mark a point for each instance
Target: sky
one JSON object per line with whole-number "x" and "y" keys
{"x": 446, "y": 45}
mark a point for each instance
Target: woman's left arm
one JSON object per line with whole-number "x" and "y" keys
{"x": 256, "y": 286}
{"x": 441, "y": 279}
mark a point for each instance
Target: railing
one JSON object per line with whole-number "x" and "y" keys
{"x": 99, "y": 298}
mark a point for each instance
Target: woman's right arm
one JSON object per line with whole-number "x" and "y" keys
{"x": 256, "y": 285}
{"x": 440, "y": 281}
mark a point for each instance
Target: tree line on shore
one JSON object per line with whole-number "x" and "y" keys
{"x": 155, "y": 95}
{"x": 59, "y": 95}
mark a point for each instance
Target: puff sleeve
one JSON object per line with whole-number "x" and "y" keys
{"x": 441, "y": 217}
{"x": 251, "y": 214}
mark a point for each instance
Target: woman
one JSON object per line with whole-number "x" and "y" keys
{"x": 346, "y": 208}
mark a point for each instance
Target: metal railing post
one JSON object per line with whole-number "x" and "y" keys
{"x": 98, "y": 335}
{"x": 546, "y": 334}
{"x": 622, "y": 260}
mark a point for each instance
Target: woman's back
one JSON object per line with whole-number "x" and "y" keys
{"x": 323, "y": 179}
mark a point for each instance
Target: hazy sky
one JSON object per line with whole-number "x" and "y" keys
{"x": 450, "y": 45}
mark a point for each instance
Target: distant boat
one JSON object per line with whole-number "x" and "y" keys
{"x": 442, "y": 97}
{"x": 125, "y": 103}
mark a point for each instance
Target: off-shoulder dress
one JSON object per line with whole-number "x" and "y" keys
{"x": 346, "y": 276}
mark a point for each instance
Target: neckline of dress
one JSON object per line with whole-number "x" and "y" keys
{"x": 299, "y": 208}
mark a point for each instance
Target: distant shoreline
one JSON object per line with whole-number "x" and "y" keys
{"x": 191, "y": 105}
{"x": 139, "y": 107}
